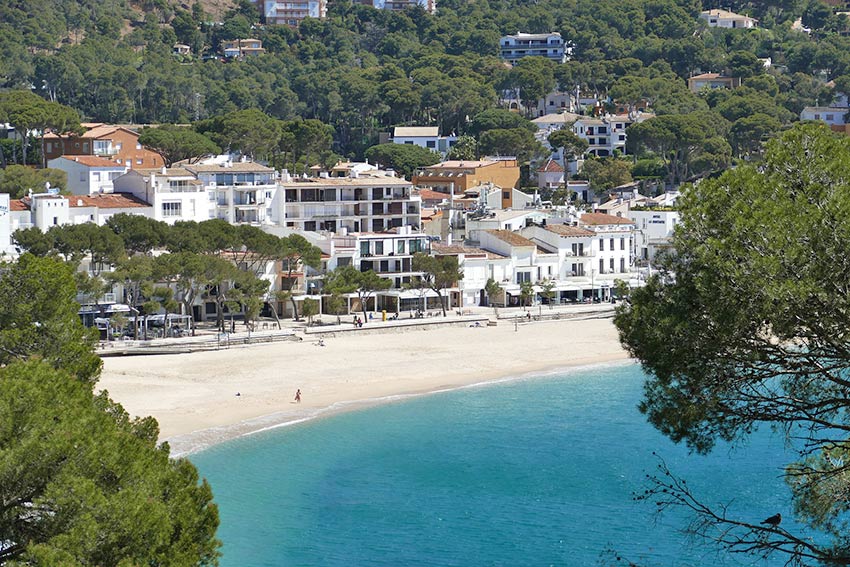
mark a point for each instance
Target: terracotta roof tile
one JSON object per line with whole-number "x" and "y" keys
{"x": 567, "y": 230}
{"x": 512, "y": 238}
{"x": 429, "y": 195}
{"x": 18, "y": 205}
{"x": 551, "y": 166}
{"x": 601, "y": 218}
{"x": 94, "y": 161}
{"x": 107, "y": 201}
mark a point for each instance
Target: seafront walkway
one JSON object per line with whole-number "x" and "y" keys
{"x": 207, "y": 337}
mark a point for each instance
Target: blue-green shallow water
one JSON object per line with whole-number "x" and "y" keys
{"x": 531, "y": 472}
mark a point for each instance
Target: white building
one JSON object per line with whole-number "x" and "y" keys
{"x": 389, "y": 254}
{"x": 653, "y": 231}
{"x": 6, "y": 248}
{"x": 614, "y": 242}
{"x": 834, "y": 116}
{"x": 88, "y": 175}
{"x": 175, "y": 193}
{"x": 429, "y": 6}
{"x": 512, "y": 48}
{"x": 242, "y": 192}
{"x": 367, "y": 200}
{"x": 291, "y": 12}
{"x": 607, "y": 134}
{"x": 423, "y": 136}
{"x": 727, "y": 19}
{"x": 505, "y": 220}
{"x": 550, "y": 175}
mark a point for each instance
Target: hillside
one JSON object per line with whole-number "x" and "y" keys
{"x": 364, "y": 70}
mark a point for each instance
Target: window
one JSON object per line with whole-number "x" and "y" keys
{"x": 49, "y": 147}
{"x": 611, "y": 264}
{"x": 622, "y": 243}
{"x": 95, "y": 176}
{"x": 364, "y": 248}
{"x": 601, "y": 266}
{"x": 830, "y": 116}
{"x": 612, "y": 244}
{"x": 409, "y": 143}
{"x": 601, "y": 245}
{"x": 622, "y": 264}
{"x": 431, "y": 144}
{"x": 55, "y": 220}
{"x": 399, "y": 247}
{"x": 82, "y": 176}
{"x": 506, "y": 195}
{"x": 85, "y": 146}
{"x": 138, "y": 161}
{"x": 602, "y": 130}
{"x": 379, "y": 247}
{"x": 172, "y": 209}
{"x": 523, "y": 277}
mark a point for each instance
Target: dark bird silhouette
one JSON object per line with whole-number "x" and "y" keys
{"x": 773, "y": 521}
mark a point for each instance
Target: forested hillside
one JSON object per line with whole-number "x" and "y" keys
{"x": 362, "y": 70}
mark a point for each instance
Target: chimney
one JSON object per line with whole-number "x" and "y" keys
{"x": 79, "y": 202}
{"x": 162, "y": 171}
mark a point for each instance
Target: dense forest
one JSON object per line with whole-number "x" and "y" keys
{"x": 362, "y": 70}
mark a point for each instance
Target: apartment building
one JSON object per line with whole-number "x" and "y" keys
{"x": 366, "y": 200}
{"x": 291, "y": 12}
{"x": 512, "y": 48}
{"x": 241, "y": 192}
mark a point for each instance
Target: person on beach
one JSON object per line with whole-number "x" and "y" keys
{"x": 298, "y": 396}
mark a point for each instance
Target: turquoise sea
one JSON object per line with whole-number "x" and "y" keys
{"x": 529, "y": 472}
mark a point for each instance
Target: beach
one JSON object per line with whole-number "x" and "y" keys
{"x": 194, "y": 397}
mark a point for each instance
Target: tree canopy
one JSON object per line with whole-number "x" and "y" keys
{"x": 403, "y": 158}
{"x": 746, "y": 326}
{"x": 84, "y": 484}
{"x": 175, "y": 143}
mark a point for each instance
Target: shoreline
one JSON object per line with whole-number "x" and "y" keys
{"x": 193, "y": 396}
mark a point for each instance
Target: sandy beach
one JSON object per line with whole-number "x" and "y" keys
{"x": 194, "y": 395}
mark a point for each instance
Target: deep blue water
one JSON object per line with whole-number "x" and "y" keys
{"x": 531, "y": 472}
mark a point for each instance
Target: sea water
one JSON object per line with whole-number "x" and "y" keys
{"x": 530, "y": 472}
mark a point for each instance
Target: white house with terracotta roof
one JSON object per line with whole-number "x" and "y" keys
{"x": 88, "y": 175}
{"x": 725, "y": 19}
{"x": 550, "y": 175}
{"x": 100, "y": 208}
{"x": 116, "y": 143}
{"x": 175, "y": 193}
{"x": 423, "y": 136}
